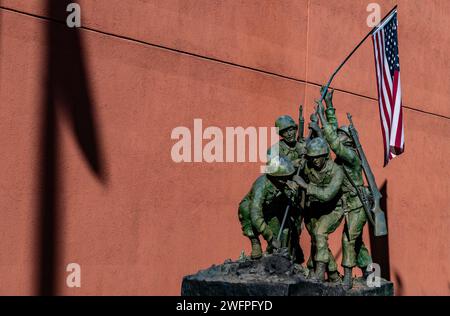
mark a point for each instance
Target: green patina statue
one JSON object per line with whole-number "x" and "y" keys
{"x": 323, "y": 184}
{"x": 261, "y": 210}
{"x": 305, "y": 184}
{"x": 353, "y": 250}
{"x": 289, "y": 146}
{"x": 292, "y": 146}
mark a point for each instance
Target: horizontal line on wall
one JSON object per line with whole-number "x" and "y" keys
{"x": 214, "y": 60}
{"x": 376, "y": 100}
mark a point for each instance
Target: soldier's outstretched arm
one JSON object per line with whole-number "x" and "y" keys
{"x": 330, "y": 111}
{"x": 343, "y": 152}
{"x": 327, "y": 193}
{"x": 330, "y": 134}
{"x": 256, "y": 213}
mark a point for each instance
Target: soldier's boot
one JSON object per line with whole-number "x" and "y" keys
{"x": 310, "y": 267}
{"x": 256, "y": 248}
{"x": 347, "y": 283}
{"x": 334, "y": 277}
{"x": 300, "y": 269}
{"x": 310, "y": 273}
{"x": 319, "y": 274}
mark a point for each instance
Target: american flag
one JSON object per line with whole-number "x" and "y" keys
{"x": 387, "y": 64}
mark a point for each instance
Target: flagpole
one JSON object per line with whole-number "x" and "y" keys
{"x": 354, "y": 50}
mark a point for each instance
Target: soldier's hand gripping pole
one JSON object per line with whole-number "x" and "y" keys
{"x": 380, "y": 227}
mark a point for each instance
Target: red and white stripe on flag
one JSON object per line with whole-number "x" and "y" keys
{"x": 387, "y": 64}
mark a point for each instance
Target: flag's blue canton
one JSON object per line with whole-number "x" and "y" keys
{"x": 391, "y": 45}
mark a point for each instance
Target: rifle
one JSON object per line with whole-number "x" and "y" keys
{"x": 379, "y": 219}
{"x": 286, "y": 212}
{"x": 301, "y": 123}
{"x": 314, "y": 118}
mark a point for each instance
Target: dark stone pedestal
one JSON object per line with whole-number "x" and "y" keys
{"x": 272, "y": 275}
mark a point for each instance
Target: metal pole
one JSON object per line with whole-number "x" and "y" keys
{"x": 354, "y": 50}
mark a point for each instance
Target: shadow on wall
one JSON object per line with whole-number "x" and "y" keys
{"x": 67, "y": 92}
{"x": 398, "y": 284}
{"x": 379, "y": 246}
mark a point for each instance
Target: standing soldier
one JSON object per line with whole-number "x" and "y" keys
{"x": 322, "y": 217}
{"x": 261, "y": 210}
{"x": 340, "y": 141}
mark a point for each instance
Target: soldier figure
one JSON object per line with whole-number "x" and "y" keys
{"x": 353, "y": 250}
{"x": 293, "y": 148}
{"x": 289, "y": 146}
{"x": 262, "y": 209}
{"x": 322, "y": 217}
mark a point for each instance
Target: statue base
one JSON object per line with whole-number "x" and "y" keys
{"x": 272, "y": 275}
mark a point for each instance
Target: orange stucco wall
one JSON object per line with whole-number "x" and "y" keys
{"x": 134, "y": 220}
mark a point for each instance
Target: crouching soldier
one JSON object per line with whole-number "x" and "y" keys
{"x": 262, "y": 209}
{"x": 322, "y": 216}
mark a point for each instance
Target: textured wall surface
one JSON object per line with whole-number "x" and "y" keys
{"x": 87, "y": 114}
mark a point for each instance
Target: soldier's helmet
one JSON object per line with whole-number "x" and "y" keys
{"x": 280, "y": 166}
{"x": 344, "y": 129}
{"x": 317, "y": 147}
{"x": 284, "y": 122}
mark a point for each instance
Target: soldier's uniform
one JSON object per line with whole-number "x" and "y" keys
{"x": 322, "y": 216}
{"x": 294, "y": 153}
{"x": 353, "y": 250}
{"x": 262, "y": 209}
